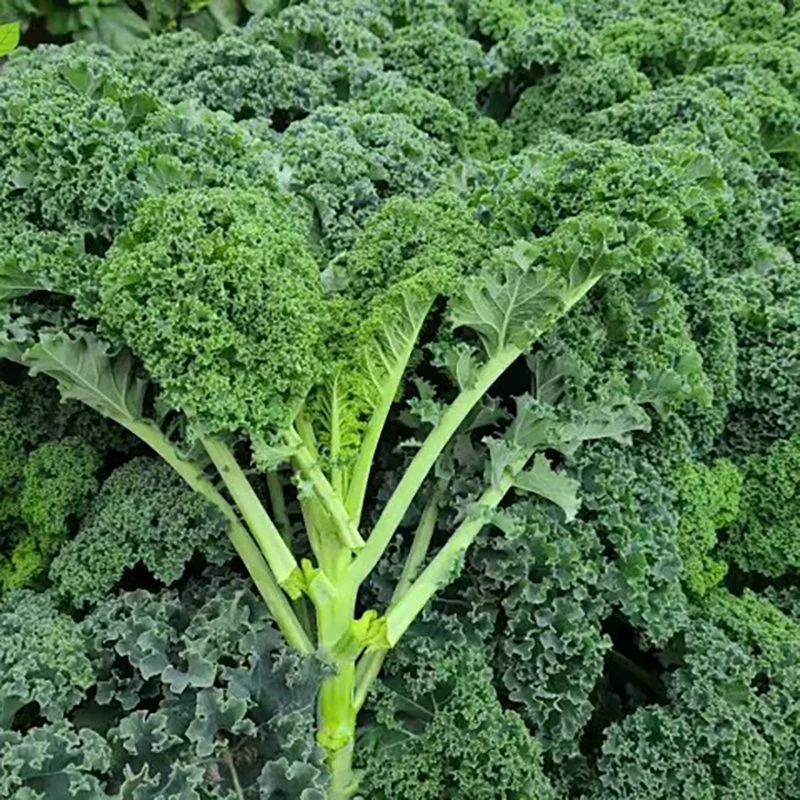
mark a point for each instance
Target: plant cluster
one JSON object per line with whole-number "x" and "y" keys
{"x": 400, "y": 400}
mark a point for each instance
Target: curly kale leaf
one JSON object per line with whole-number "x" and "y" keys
{"x": 219, "y": 294}
{"x": 43, "y": 658}
{"x": 763, "y": 539}
{"x": 439, "y": 729}
{"x": 143, "y": 514}
{"x": 709, "y": 500}
{"x": 53, "y": 761}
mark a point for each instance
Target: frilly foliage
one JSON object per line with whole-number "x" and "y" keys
{"x": 287, "y": 215}
{"x": 142, "y": 515}
{"x": 157, "y": 695}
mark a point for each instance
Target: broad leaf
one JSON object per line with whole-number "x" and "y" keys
{"x": 88, "y": 370}
{"x": 550, "y": 377}
{"x": 510, "y": 307}
{"x": 537, "y": 427}
{"x": 216, "y": 713}
{"x": 117, "y": 26}
{"x": 528, "y": 287}
{"x": 14, "y": 282}
{"x": 615, "y": 422}
{"x": 13, "y": 351}
{"x": 300, "y": 779}
{"x": 554, "y": 486}
{"x": 9, "y": 37}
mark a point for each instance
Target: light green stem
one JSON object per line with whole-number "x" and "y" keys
{"x": 441, "y": 569}
{"x": 337, "y": 730}
{"x": 420, "y": 544}
{"x": 331, "y": 502}
{"x": 336, "y": 727}
{"x": 277, "y": 602}
{"x": 278, "y": 555}
{"x": 246, "y": 548}
{"x": 424, "y": 460}
{"x": 367, "y": 670}
{"x": 281, "y": 515}
{"x": 437, "y": 440}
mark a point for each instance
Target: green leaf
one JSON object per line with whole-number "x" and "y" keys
{"x": 390, "y": 339}
{"x": 217, "y": 712}
{"x": 282, "y": 778}
{"x": 226, "y": 13}
{"x": 270, "y": 454}
{"x": 13, "y": 351}
{"x": 387, "y": 341}
{"x": 351, "y": 405}
{"x": 510, "y": 307}
{"x": 53, "y": 761}
{"x": 527, "y": 288}
{"x": 14, "y": 282}
{"x": 615, "y": 422}
{"x": 550, "y": 377}
{"x": 9, "y": 37}
{"x": 502, "y": 455}
{"x": 458, "y": 360}
{"x": 88, "y": 370}
{"x": 117, "y": 26}
{"x": 554, "y": 486}
{"x": 536, "y": 427}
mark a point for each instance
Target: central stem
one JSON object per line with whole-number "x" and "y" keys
{"x": 336, "y": 727}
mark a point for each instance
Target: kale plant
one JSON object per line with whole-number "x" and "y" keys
{"x": 472, "y": 326}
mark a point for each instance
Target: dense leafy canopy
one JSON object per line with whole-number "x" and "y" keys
{"x": 253, "y": 249}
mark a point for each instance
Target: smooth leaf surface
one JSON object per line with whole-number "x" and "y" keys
{"x": 9, "y": 37}
{"x": 557, "y": 487}
{"x": 88, "y": 370}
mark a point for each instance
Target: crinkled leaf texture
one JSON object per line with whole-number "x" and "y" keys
{"x": 528, "y": 287}
{"x": 158, "y": 695}
{"x": 437, "y": 728}
{"x": 53, "y": 761}
{"x": 144, "y": 514}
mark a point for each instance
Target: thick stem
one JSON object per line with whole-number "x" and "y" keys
{"x": 278, "y": 555}
{"x": 337, "y": 730}
{"x": 337, "y": 712}
{"x": 423, "y": 462}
